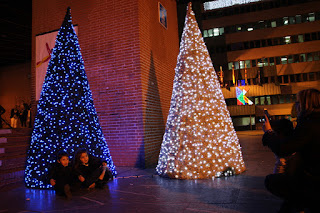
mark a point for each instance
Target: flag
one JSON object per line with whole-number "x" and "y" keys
{"x": 221, "y": 76}
{"x": 233, "y": 76}
{"x": 245, "y": 74}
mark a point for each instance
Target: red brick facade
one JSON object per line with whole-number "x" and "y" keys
{"x": 129, "y": 60}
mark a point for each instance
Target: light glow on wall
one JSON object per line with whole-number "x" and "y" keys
{"x": 212, "y": 5}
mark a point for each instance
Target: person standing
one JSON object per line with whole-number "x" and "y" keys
{"x": 14, "y": 117}
{"x": 2, "y": 111}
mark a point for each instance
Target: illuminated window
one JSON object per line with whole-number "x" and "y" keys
{"x": 311, "y": 17}
{"x": 303, "y": 57}
{"x": 230, "y": 65}
{"x": 205, "y": 33}
{"x": 241, "y": 64}
{"x": 212, "y": 5}
{"x": 273, "y": 24}
{"x": 210, "y": 33}
{"x": 215, "y": 31}
{"x": 250, "y": 29}
{"x": 285, "y": 20}
{"x": 287, "y": 40}
{"x": 221, "y": 30}
{"x": 283, "y": 59}
{"x": 290, "y": 59}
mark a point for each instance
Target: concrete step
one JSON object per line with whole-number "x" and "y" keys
{"x": 15, "y": 132}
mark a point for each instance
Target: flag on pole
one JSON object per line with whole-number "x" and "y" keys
{"x": 221, "y": 76}
{"x": 245, "y": 74}
{"x": 233, "y": 76}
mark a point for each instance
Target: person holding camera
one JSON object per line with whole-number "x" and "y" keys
{"x": 299, "y": 185}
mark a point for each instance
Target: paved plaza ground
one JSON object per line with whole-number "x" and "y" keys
{"x": 136, "y": 190}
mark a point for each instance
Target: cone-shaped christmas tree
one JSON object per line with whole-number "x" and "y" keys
{"x": 200, "y": 141}
{"x": 66, "y": 118}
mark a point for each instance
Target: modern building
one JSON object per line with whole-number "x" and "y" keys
{"x": 273, "y": 46}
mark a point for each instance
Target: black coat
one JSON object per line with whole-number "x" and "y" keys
{"x": 304, "y": 140}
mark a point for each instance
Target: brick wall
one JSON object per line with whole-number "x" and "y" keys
{"x": 159, "y": 51}
{"x": 117, "y": 60}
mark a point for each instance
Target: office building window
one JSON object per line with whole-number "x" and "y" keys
{"x": 300, "y": 38}
{"x": 271, "y": 61}
{"x": 230, "y": 65}
{"x": 280, "y": 79}
{"x": 284, "y": 60}
{"x": 285, "y": 79}
{"x": 254, "y": 63}
{"x": 268, "y": 100}
{"x": 275, "y": 99}
{"x": 262, "y": 100}
{"x": 287, "y": 40}
{"x": 205, "y": 33}
{"x": 290, "y": 59}
{"x": 215, "y": 31}
{"x": 257, "y": 43}
{"x": 307, "y": 37}
{"x": 298, "y": 19}
{"x": 292, "y": 20}
{"x": 278, "y": 60}
{"x": 285, "y": 20}
{"x": 236, "y": 65}
{"x": 303, "y": 57}
{"x": 309, "y": 57}
{"x": 316, "y": 56}
{"x": 292, "y": 79}
{"x": 296, "y": 58}
{"x": 256, "y": 101}
{"x": 298, "y": 77}
{"x": 312, "y": 76}
{"x": 281, "y": 99}
{"x": 305, "y": 76}
{"x": 311, "y": 17}
{"x": 247, "y": 62}
{"x": 210, "y": 33}
{"x": 241, "y": 64}
{"x": 273, "y": 24}
{"x": 314, "y": 36}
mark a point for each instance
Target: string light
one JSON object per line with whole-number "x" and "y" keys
{"x": 66, "y": 117}
{"x": 199, "y": 141}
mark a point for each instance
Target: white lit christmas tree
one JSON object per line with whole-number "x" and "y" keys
{"x": 200, "y": 141}
{"x": 66, "y": 118}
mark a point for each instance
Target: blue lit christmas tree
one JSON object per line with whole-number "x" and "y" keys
{"x": 199, "y": 141}
{"x": 66, "y": 118}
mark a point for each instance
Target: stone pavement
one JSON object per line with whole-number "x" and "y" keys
{"x": 136, "y": 190}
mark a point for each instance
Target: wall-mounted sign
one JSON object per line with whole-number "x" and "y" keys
{"x": 163, "y": 16}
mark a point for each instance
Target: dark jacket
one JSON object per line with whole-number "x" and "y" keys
{"x": 304, "y": 140}
{"x": 93, "y": 164}
{"x": 62, "y": 175}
